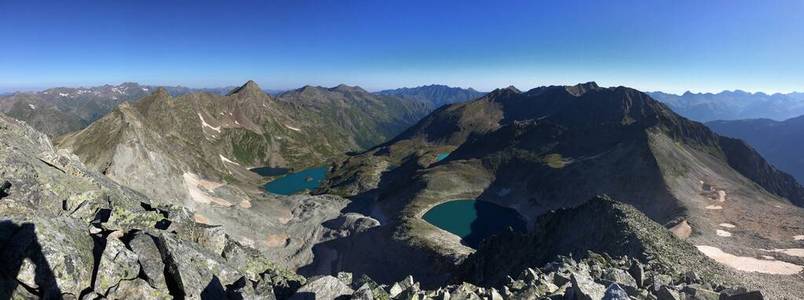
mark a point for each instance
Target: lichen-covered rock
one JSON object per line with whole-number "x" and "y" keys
{"x": 150, "y": 259}
{"x": 52, "y": 255}
{"x": 193, "y": 268}
{"x": 585, "y": 288}
{"x": 117, "y": 263}
{"x": 136, "y": 289}
{"x": 615, "y": 292}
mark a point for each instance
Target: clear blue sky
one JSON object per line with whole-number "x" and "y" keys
{"x": 651, "y": 45}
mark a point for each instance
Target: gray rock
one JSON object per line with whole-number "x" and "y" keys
{"x": 327, "y": 287}
{"x": 150, "y": 259}
{"x": 363, "y": 293}
{"x": 619, "y": 276}
{"x": 117, "y": 263}
{"x": 193, "y": 268}
{"x": 615, "y": 292}
{"x": 637, "y": 272}
{"x": 345, "y": 277}
{"x": 136, "y": 289}
{"x": 697, "y": 292}
{"x": 53, "y": 255}
{"x": 584, "y": 288}
{"x": 667, "y": 293}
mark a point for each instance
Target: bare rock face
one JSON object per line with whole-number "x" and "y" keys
{"x": 327, "y": 287}
{"x": 117, "y": 264}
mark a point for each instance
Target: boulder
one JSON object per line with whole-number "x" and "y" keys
{"x": 619, "y": 276}
{"x": 667, "y": 293}
{"x": 117, "y": 263}
{"x": 615, "y": 292}
{"x": 327, "y": 287}
{"x": 194, "y": 269}
{"x": 584, "y": 288}
{"x": 150, "y": 259}
{"x": 363, "y": 293}
{"x": 637, "y": 272}
{"x": 697, "y": 292}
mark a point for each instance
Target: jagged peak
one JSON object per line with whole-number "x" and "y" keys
{"x": 161, "y": 92}
{"x": 250, "y": 87}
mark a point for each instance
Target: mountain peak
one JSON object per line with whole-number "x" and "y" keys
{"x": 250, "y": 87}
{"x": 582, "y": 88}
{"x": 161, "y": 92}
{"x": 346, "y": 88}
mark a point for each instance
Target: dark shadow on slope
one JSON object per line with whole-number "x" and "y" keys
{"x": 492, "y": 219}
{"x": 17, "y": 243}
{"x": 214, "y": 290}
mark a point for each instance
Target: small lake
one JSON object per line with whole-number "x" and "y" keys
{"x": 294, "y": 183}
{"x": 441, "y": 156}
{"x": 474, "y": 220}
{"x": 270, "y": 171}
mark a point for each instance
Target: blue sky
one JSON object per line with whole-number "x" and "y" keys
{"x": 650, "y": 45}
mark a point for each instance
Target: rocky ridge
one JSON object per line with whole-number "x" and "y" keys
{"x": 61, "y": 110}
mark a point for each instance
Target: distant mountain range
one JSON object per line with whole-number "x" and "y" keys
{"x": 60, "y": 110}
{"x": 734, "y": 105}
{"x": 782, "y": 143}
{"x": 436, "y": 94}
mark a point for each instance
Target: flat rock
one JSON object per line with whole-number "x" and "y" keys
{"x": 327, "y": 287}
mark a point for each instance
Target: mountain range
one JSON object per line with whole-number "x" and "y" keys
{"x": 778, "y": 141}
{"x": 435, "y": 94}
{"x": 58, "y": 111}
{"x": 196, "y": 151}
{"x": 734, "y": 105}
{"x": 553, "y": 148}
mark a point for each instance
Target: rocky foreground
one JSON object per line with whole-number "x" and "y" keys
{"x": 594, "y": 277}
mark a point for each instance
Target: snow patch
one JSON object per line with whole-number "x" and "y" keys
{"x": 749, "y": 264}
{"x": 797, "y": 252}
{"x": 798, "y": 237}
{"x": 198, "y": 190}
{"x": 64, "y": 94}
{"x": 768, "y": 257}
{"x": 204, "y": 124}
{"x": 727, "y": 225}
{"x": 292, "y": 128}
{"x": 723, "y": 233}
{"x": 714, "y": 207}
{"x": 31, "y": 106}
{"x": 226, "y": 160}
{"x": 721, "y": 196}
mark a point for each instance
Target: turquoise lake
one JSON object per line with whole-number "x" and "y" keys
{"x": 294, "y": 183}
{"x": 441, "y": 156}
{"x": 474, "y": 220}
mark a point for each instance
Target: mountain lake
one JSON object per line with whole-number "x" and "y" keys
{"x": 294, "y": 183}
{"x": 474, "y": 220}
